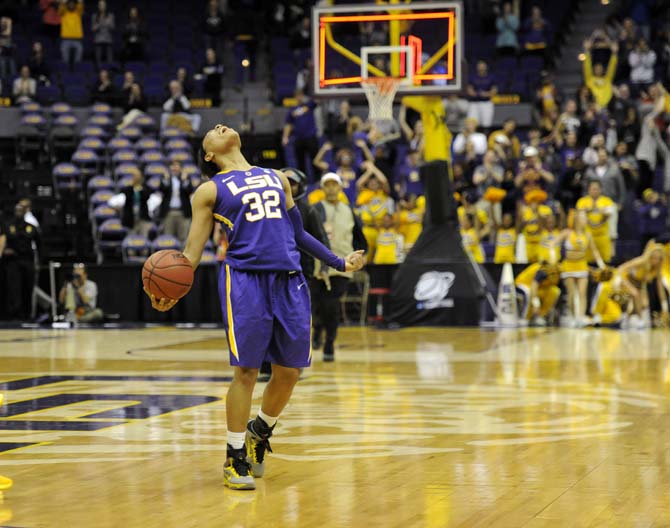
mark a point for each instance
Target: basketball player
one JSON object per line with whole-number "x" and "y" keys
{"x": 265, "y": 296}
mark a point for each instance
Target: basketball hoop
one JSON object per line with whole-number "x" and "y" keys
{"x": 380, "y": 92}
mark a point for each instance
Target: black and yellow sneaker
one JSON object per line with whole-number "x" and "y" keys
{"x": 237, "y": 471}
{"x": 257, "y": 443}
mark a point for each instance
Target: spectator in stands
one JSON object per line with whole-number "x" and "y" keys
{"x": 507, "y": 25}
{"x": 409, "y": 179}
{"x": 183, "y": 79}
{"x": 343, "y": 164}
{"x": 344, "y": 235}
{"x": 134, "y": 37}
{"x": 627, "y": 165}
{"x": 642, "y": 61}
{"x": 569, "y": 121}
{"x": 25, "y": 87}
{"x": 50, "y": 19}
{"x": 471, "y": 237}
{"x": 304, "y": 78}
{"x": 214, "y": 27}
{"x": 177, "y": 102}
{"x": 532, "y": 175}
{"x": 135, "y": 100}
{"x": 19, "y": 260}
{"x": 456, "y": 110}
{"x": 488, "y": 174}
{"x": 29, "y": 217}
{"x": 85, "y": 293}
{"x": 176, "y": 110}
{"x": 590, "y": 155}
{"x": 508, "y": 132}
{"x": 38, "y": 64}
{"x": 469, "y": 135}
{"x": 481, "y": 90}
{"x": 620, "y": 104}
{"x": 128, "y": 81}
{"x": 213, "y": 73}
{"x": 7, "y": 63}
{"x": 301, "y": 38}
{"x": 596, "y": 78}
{"x": 104, "y": 90}
{"x": 301, "y": 126}
{"x": 374, "y": 202}
{"x": 175, "y": 209}
{"x": 71, "y": 30}
{"x": 653, "y": 215}
{"x": 135, "y": 212}
{"x": 338, "y": 122}
{"x": 103, "y": 26}
{"x": 410, "y": 219}
{"x": 536, "y": 33}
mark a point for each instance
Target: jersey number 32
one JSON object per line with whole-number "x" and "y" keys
{"x": 265, "y": 205}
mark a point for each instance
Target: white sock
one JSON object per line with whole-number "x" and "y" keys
{"x": 236, "y": 440}
{"x": 270, "y": 420}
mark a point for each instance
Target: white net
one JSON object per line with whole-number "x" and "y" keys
{"x": 380, "y": 93}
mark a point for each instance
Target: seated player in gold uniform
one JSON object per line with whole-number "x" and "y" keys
{"x": 505, "y": 241}
{"x": 636, "y": 275}
{"x": 575, "y": 268}
{"x": 538, "y": 285}
{"x": 470, "y": 238}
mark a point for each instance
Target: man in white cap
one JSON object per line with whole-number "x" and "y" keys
{"x": 344, "y": 233}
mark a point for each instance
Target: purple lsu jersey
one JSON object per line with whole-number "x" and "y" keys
{"x": 251, "y": 206}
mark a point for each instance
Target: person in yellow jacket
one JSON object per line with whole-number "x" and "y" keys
{"x": 505, "y": 241}
{"x": 599, "y": 81}
{"x": 71, "y": 30}
{"x": 374, "y": 203}
{"x": 575, "y": 268}
{"x": 598, "y": 209}
{"x": 538, "y": 285}
{"x": 548, "y": 237}
{"x": 470, "y": 238}
{"x": 530, "y": 224}
{"x": 637, "y": 274}
{"x": 389, "y": 243}
{"x": 410, "y": 219}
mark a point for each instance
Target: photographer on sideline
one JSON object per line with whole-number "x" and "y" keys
{"x": 85, "y": 296}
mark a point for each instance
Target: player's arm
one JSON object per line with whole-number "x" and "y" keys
{"x": 202, "y": 222}
{"x": 311, "y": 245}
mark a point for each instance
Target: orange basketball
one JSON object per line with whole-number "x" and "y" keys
{"x": 167, "y": 274}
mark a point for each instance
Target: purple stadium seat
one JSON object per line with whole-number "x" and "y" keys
{"x": 172, "y": 133}
{"x": 165, "y": 242}
{"x": 146, "y": 123}
{"x": 124, "y": 156}
{"x": 93, "y": 143}
{"x": 147, "y": 143}
{"x": 208, "y": 258}
{"x": 100, "y": 120}
{"x": 68, "y": 120}
{"x": 118, "y": 143}
{"x": 31, "y": 108}
{"x": 67, "y": 176}
{"x": 152, "y": 156}
{"x": 94, "y": 131}
{"x": 110, "y": 238}
{"x": 155, "y": 169}
{"x": 124, "y": 181}
{"x": 87, "y": 161}
{"x": 100, "y": 183}
{"x": 135, "y": 248}
{"x": 60, "y": 108}
{"x": 191, "y": 169}
{"x": 154, "y": 183}
{"x": 47, "y": 94}
{"x": 77, "y": 94}
{"x": 102, "y": 213}
{"x": 100, "y": 197}
{"x": 33, "y": 120}
{"x": 180, "y": 155}
{"x": 177, "y": 144}
{"x": 133, "y": 133}
{"x": 125, "y": 169}
{"x": 101, "y": 108}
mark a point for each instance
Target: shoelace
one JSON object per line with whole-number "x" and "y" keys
{"x": 242, "y": 467}
{"x": 261, "y": 447}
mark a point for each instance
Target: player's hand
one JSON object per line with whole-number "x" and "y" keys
{"x": 354, "y": 261}
{"x": 162, "y": 305}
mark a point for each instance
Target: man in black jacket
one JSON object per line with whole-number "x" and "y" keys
{"x": 135, "y": 212}
{"x": 175, "y": 210}
{"x": 345, "y": 235}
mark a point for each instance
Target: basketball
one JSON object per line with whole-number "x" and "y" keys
{"x": 167, "y": 274}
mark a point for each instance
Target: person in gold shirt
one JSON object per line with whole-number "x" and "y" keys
{"x": 507, "y": 131}
{"x": 610, "y": 303}
{"x": 374, "y": 202}
{"x": 636, "y": 275}
{"x": 575, "y": 268}
{"x": 71, "y": 30}
{"x": 548, "y": 250}
{"x": 437, "y": 142}
{"x": 471, "y": 239}
{"x": 389, "y": 243}
{"x": 598, "y": 209}
{"x": 505, "y": 241}
{"x": 530, "y": 224}
{"x": 468, "y": 207}
{"x": 538, "y": 285}
{"x": 410, "y": 219}
{"x": 599, "y": 81}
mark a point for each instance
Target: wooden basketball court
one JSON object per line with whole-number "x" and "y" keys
{"x": 420, "y": 427}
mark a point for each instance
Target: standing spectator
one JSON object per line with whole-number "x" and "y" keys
{"x": 213, "y": 72}
{"x": 344, "y": 235}
{"x": 536, "y": 33}
{"x": 175, "y": 209}
{"x": 488, "y": 174}
{"x": 103, "y": 90}
{"x": 29, "y": 217}
{"x": 103, "y": 26}
{"x": 25, "y": 87}
{"x": 653, "y": 215}
{"x": 135, "y": 211}
{"x": 469, "y": 135}
{"x": 627, "y": 165}
{"x": 305, "y": 77}
{"x": 214, "y": 26}
{"x": 71, "y": 30}
{"x": 134, "y": 37}
{"x": 481, "y": 90}
{"x": 183, "y": 79}
{"x": 596, "y": 78}
{"x": 507, "y": 25}
{"x": 301, "y": 126}
{"x": 19, "y": 258}
{"x": 532, "y": 175}
{"x": 343, "y": 164}
{"x": 629, "y": 131}
{"x": 38, "y": 64}
{"x": 301, "y": 38}
{"x": 642, "y": 61}
{"x": 50, "y": 20}
{"x": 85, "y": 296}
{"x": 409, "y": 179}
{"x": 455, "y": 110}
{"x": 568, "y": 122}
{"x": 620, "y": 104}
{"x": 7, "y": 63}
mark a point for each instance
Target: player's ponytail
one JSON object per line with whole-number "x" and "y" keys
{"x": 207, "y": 168}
